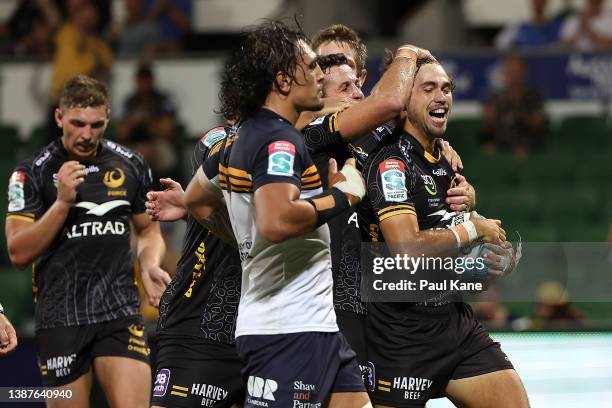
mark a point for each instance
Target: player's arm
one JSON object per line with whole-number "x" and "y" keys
{"x": 281, "y": 214}
{"x": 204, "y": 201}
{"x": 150, "y": 249}
{"x": 387, "y": 100}
{"x": 402, "y": 234}
{"x": 27, "y": 238}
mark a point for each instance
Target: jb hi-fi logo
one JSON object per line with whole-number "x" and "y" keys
{"x": 261, "y": 388}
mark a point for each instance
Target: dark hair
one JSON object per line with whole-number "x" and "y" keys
{"x": 82, "y": 91}
{"x": 331, "y": 60}
{"x": 250, "y": 72}
{"x": 340, "y": 33}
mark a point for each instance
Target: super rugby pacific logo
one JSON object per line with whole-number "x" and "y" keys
{"x": 393, "y": 180}
{"x": 281, "y": 156}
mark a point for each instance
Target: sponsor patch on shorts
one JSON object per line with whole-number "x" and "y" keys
{"x": 161, "y": 382}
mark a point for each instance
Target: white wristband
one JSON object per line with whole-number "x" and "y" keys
{"x": 471, "y": 230}
{"x": 456, "y": 234}
{"x": 353, "y": 184}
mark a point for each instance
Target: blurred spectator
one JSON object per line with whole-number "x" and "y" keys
{"x": 103, "y": 9}
{"x": 553, "y": 311}
{"x": 591, "y": 30}
{"x": 31, "y": 26}
{"x": 540, "y": 31}
{"x": 79, "y": 50}
{"x": 514, "y": 117}
{"x": 173, "y": 20}
{"x": 138, "y": 34}
{"x": 148, "y": 124}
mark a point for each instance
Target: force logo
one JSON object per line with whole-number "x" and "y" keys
{"x": 136, "y": 330}
{"x": 114, "y": 178}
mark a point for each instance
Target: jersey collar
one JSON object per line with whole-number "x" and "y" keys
{"x": 431, "y": 158}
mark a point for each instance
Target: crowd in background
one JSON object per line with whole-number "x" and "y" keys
{"x": 80, "y": 37}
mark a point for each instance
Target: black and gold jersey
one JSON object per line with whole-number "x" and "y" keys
{"x": 202, "y": 298}
{"x": 324, "y": 142}
{"x": 402, "y": 178}
{"x": 86, "y": 276}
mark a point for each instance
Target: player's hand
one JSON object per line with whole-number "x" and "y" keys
{"x": 488, "y": 230}
{"x": 166, "y": 205}
{"x": 462, "y": 197}
{"x": 450, "y": 154}
{"x": 333, "y": 104}
{"x": 348, "y": 180}
{"x": 8, "y": 337}
{"x": 500, "y": 259}
{"x": 154, "y": 281}
{"x": 69, "y": 177}
{"x": 412, "y": 51}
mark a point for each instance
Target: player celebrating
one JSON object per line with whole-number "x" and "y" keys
{"x": 70, "y": 209}
{"x": 436, "y": 346}
{"x": 286, "y": 330}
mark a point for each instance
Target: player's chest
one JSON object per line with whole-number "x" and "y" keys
{"x": 105, "y": 182}
{"x": 429, "y": 185}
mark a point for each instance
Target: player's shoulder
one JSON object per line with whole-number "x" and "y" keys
{"x": 42, "y": 158}
{"x": 212, "y": 137}
{"x": 265, "y": 127}
{"x": 325, "y": 122}
{"x": 388, "y": 148}
{"x": 122, "y": 153}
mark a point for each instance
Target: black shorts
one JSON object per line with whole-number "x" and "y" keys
{"x": 298, "y": 369}
{"x": 418, "y": 351}
{"x": 353, "y": 327}
{"x": 66, "y": 353}
{"x": 196, "y": 373}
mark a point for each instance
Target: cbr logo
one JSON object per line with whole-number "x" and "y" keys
{"x": 261, "y": 388}
{"x": 114, "y": 178}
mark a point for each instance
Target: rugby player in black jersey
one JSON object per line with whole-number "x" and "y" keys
{"x": 197, "y": 363}
{"x": 70, "y": 210}
{"x": 427, "y": 349}
{"x": 328, "y": 137}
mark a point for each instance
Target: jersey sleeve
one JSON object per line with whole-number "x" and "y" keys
{"x": 145, "y": 183}
{"x": 388, "y": 187}
{"x": 282, "y": 158}
{"x": 322, "y": 133}
{"x": 24, "y": 196}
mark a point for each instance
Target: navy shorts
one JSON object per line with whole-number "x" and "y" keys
{"x": 297, "y": 369}
{"x": 353, "y": 327}
{"x": 196, "y": 373}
